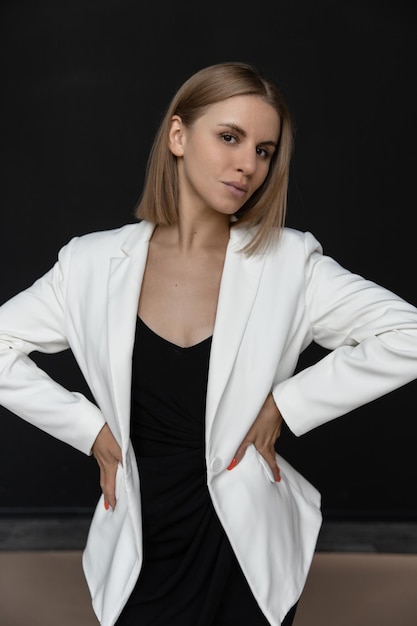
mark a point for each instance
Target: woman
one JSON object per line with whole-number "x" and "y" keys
{"x": 188, "y": 326}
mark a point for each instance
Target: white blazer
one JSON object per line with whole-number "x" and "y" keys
{"x": 271, "y": 306}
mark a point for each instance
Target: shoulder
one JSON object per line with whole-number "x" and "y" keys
{"x": 290, "y": 237}
{"x": 113, "y": 241}
{"x": 89, "y": 253}
{"x": 293, "y": 244}
{"x": 284, "y": 243}
{"x": 114, "y": 237}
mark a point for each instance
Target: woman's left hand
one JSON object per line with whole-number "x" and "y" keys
{"x": 263, "y": 434}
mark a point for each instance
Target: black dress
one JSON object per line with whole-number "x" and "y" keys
{"x": 190, "y": 575}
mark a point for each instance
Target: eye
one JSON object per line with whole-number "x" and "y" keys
{"x": 263, "y": 152}
{"x": 228, "y": 138}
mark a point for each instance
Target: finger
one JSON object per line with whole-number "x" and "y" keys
{"x": 276, "y": 472}
{"x": 109, "y": 502}
{"x": 239, "y": 454}
{"x": 270, "y": 458}
{"x": 108, "y": 487}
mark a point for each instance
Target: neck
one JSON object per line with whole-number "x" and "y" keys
{"x": 193, "y": 233}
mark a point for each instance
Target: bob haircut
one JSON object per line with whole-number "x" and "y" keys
{"x": 266, "y": 208}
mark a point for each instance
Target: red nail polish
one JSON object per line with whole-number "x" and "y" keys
{"x": 232, "y": 464}
{"x": 106, "y": 505}
{"x": 278, "y": 479}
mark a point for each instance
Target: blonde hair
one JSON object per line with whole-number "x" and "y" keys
{"x": 266, "y": 208}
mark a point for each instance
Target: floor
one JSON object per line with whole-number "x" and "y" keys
{"x": 361, "y": 575}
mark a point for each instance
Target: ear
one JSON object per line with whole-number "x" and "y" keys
{"x": 176, "y": 136}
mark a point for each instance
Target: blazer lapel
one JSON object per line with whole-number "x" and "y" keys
{"x": 125, "y": 280}
{"x": 238, "y": 288}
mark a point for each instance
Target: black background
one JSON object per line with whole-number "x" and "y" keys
{"x": 85, "y": 84}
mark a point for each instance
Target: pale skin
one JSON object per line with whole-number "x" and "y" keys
{"x": 222, "y": 159}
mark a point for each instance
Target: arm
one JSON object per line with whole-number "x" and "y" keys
{"x": 35, "y": 319}
{"x": 372, "y": 337}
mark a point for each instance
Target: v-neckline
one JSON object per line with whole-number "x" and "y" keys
{"x": 171, "y": 343}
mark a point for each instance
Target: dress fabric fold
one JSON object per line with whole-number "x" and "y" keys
{"x": 190, "y": 575}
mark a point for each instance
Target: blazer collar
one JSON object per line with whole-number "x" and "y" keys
{"x": 238, "y": 289}
{"x": 126, "y": 271}
{"x": 140, "y": 233}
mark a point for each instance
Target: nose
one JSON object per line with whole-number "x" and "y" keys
{"x": 246, "y": 161}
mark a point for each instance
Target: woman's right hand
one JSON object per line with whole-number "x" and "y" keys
{"x": 108, "y": 455}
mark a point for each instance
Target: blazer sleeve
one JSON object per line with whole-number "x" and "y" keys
{"x": 372, "y": 337}
{"x": 34, "y": 320}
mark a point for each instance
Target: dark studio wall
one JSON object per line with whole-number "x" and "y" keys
{"x": 85, "y": 84}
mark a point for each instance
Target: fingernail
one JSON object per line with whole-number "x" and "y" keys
{"x": 232, "y": 464}
{"x": 106, "y": 505}
{"x": 278, "y": 479}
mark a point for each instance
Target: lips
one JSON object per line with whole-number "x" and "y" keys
{"x": 237, "y": 189}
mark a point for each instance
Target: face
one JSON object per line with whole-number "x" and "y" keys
{"x": 224, "y": 157}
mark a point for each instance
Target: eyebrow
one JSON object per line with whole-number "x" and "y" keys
{"x": 242, "y": 132}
